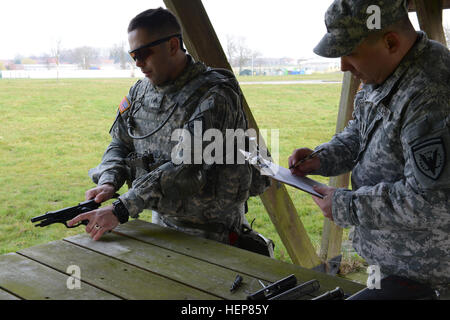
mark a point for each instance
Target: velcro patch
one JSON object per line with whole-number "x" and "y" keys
{"x": 124, "y": 105}
{"x": 429, "y": 157}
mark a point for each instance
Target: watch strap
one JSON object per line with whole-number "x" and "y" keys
{"x": 120, "y": 211}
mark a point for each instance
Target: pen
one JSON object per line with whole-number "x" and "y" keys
{"x": 312, "y": 155}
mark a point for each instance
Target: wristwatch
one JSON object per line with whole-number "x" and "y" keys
{"x": 120, "y": 211}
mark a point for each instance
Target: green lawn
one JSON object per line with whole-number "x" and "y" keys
{"x": 333, "y": 76}
{"x": 53, "y": 131}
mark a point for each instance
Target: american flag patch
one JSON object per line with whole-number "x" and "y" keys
{"x": 124, "y": 105}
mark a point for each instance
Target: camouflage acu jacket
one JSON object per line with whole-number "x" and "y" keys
{"x": 213, "y": 207}
{"x": 398, "y": 148}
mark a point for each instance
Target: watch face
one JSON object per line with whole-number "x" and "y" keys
{"x": 117, "y": 205}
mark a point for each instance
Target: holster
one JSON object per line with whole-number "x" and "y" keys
{"x": 253, "y": 241}
{"x": 145, "y": 161}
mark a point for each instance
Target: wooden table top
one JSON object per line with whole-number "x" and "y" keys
{"x": 144, "y": 261}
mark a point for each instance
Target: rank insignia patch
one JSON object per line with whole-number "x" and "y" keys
{"x": 429, "y": 157}
{"x": 124, "y": 105}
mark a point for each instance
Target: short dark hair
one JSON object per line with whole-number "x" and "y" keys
{"x": 160, "y": 21}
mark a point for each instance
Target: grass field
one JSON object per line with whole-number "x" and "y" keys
{"x": 332, "y": 76}
{"x": 52, "y": 132}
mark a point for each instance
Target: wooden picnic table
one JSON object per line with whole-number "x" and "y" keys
{"x": 141, "y": 260}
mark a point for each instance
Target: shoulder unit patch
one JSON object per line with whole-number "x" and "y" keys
{"x": 429, "y": 157}
{"x": 124, "y": 105}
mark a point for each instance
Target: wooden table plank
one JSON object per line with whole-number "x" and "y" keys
{"x": 110, "y": 274}
{"x": 4, "y": 295}
{"x": 185, "y": 269}
{"x": 29, "y": 279}
{"x": 241, "y": 261}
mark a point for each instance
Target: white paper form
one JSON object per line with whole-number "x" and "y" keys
{"x": 282, "y": 174}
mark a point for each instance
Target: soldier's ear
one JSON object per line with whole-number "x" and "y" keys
{"x": 174, "y": 45}
{"x": 391, "y": 41}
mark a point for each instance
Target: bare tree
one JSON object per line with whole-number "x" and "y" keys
{"x": 56, "y": 53}
{"x": 18, "y": 59}
{"x": 231, "y": 49}
{"x": 119, "y": 55}
{"x": 255, "y": 61}
{"x": 238, "y": 53}
{"x": 243, "y": 52}
{"x": 85, "y": 56}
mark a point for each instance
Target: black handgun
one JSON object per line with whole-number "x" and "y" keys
{"x": 66, "y": 214}
{"x": 336, "y": 294}
{"x": 299, "y": 291}
{"x": 274, "y": 289}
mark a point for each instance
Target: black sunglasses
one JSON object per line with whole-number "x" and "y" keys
{"x": 135, "y": 54}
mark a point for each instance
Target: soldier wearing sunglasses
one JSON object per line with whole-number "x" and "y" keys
{"x": 177, "y": 92}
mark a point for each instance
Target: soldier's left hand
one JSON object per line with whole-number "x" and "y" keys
{"x": 326, "y": 203}
{"x": 100, "y": 221}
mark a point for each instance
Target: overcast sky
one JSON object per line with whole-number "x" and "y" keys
{"x": 275, "y": 28}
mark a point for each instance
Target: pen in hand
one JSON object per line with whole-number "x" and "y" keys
{"x": 312, "y": 155}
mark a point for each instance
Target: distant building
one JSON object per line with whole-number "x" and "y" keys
{"x": 49, "y": 66}
{"x": 320, "y": 65}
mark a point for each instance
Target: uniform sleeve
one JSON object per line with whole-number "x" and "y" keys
{"x": 163, "y": 188}
{"x": 340, "y": 153}
{"x": 113, "y": 168}
{"x": 421, "y": 200}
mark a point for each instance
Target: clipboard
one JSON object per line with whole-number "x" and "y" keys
{"x": 281, "y": 174}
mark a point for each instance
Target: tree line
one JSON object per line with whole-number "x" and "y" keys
{"x": 85, "y": 57}
{"x": 238, "y": 52}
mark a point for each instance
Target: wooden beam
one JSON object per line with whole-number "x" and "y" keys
{"x": 445, "y": 5}
{"x": 429, "y": 13}
{"x": 332, "y": 234}
{"x": 203, "y": 44}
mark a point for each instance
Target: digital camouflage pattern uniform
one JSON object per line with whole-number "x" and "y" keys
{"x": 199, "y": 199}
{"x": 398, "y": 148}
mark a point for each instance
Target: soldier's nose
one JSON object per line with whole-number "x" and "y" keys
{"x": 139, "y": 63}
{"x": 345, "y": 65}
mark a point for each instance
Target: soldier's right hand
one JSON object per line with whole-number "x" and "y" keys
{"x": 306, "y": 167}
{"x": 101, "y": 193}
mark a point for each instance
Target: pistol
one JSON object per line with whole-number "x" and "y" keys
{"x": 274, "y": 289}
{"x": 336, "y": 294}
{"x": 66, "y": 214}
{"x": 299, "y": 291}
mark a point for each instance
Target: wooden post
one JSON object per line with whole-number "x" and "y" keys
{"x": 203, "y": 44}
{"x": 332, "y": 234}
{"x": 429, "y": 13}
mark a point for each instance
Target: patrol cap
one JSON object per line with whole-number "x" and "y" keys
{"x": 349, "y": 22}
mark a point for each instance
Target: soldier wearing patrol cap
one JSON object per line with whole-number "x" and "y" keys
{"x": 201, "y": 199}
{"x": 397, "y": 145}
